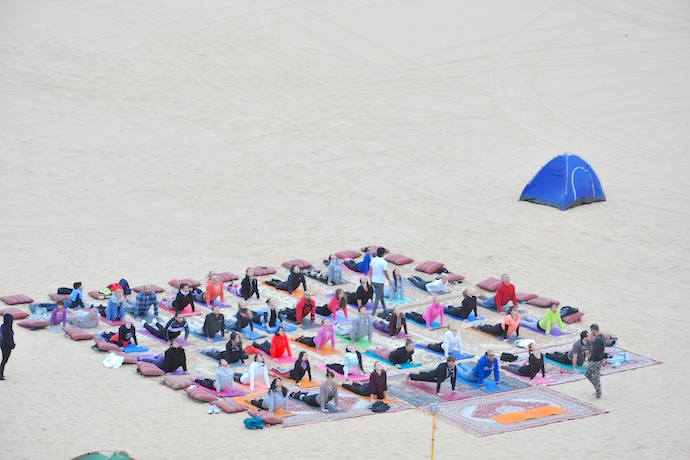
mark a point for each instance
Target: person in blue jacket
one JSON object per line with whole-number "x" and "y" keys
{"x": 486, "y": 365}
{"x": 363, "y": 266}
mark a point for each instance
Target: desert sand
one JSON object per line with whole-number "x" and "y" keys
{"x": 165, "y": 139}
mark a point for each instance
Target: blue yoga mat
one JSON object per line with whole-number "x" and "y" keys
{"x": 489, "y": 304}
{"x": 564, "y": 366}
{"x": 248, "y": 334}
{"x": 470, "y": 318}
{"x": 432, "y": 325}
{"x": 216, "y": 338}
{"x": 134, "y": 349}
{"x": 371, "y": 354}
{"x": 272, "y": 330}
{"x": 339, "y": 317}
{"x": 397, "y": 301}
{"x": 219, "y": 305}
{"x": 457, "y": 355}
{"x": 489, "y": 384}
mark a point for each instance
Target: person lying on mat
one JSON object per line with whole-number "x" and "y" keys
{"x": 268, "y": 318}
{"x": 213, "y": 324}
{"x": 451, "y": 344}
{"x": 84, "y": 319}
{"x": 257, "y": 369}
{"x": 173, "y": 358}
{"x": 375, "y": 388}
{"x": 328, "y": 390}
{"x": 352, "y": 361}
{"x": 433, "y": 311}
{"x": 305, "y": 307}
{"x": 243, "y": 317}
{"x": 184, "y": 298}
{"x": 214, "y": 289}
{"x": 144, "y": 300}
{"x": 295, "y": 278}
{"x": 509, "y": 327}
{"x": 505, "y": 293}
{"x": 117, "y": 304}
{"x": 234, "y": 351}
{"x": 280, "y": 344}
{"x": 58, "y": 315}
{"x": 399, "y": 356}
{"x": 225, "y": 378}
{"x": 171, "y": 330}
{"x": 438, "y": 286}
{"x": 439, "y": 375}
{"x": 468, "y": 305}
{"x": 552, "y": 317}
{"x": 486, "y": 365}
{"x": 396, "y": 291}
{"x": 126, "y": 334}
{"x": 76, "y": 297}
{"x": 361, "y": 326}
{"x": 363, "y": 266}
{"x": 249, "y": 285}
{"x": 324, "y": 335}
{"x": 576, "y": 356}
{"x": 535, "y": 364}
{"x": 394, "y": 325}
{"x": 277, "y": 398}
{"x": 363, "y": 294}
{"x": 337, "y": 302}
{"x": 335, "y": 270}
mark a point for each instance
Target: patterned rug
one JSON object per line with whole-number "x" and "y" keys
{"x": 558, "y": 374}
{"x": 479, "y": 415}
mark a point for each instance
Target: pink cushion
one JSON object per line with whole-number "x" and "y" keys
{"x": 178, "y": 282}
{"x": 266, "y": 417}
{"x": 157, "y": 289}
{"x": 178, "y": 382}
{"x": 399, "y": 259}
{"x": 77, "y": 334}
{"x": 490, "y": 284}
{"x": 524, "y": 297}
{"x": 16, "y": 313}
{"x": 16, "y": 299}
{"x": 542, "y": 302}
{"x": 301, "y": 263}
{"x": 350, "y": 254}
{"x": 106, "y": 346}
{"x": 200, "y": 395}
{"x": 429, "y": 266}
{"x": 96, "y": 295}
{"x": 229, "y": 406}
{"x": 226, "y": 277}
{"x": 33, "y": 324}
{"x": 129, "y": 359}
{"x": 263, "y": 271}
{"x": 455, "y": 278}
{"x": 57, "y": 297}
{"x": 575, "y": 317}
{"x": 149, "y": 369}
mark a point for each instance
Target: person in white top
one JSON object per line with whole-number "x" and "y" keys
{"x": 378, "y": 271}
{"x": 439, "y": 286}
{"x": 256, "y": 369}
{"x": 451, "y": 345}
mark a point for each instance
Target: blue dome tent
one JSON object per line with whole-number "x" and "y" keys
{"x": 564, "y": 182}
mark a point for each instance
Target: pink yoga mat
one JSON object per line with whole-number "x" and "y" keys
{"x": 227, "y": 393}
{"x": 281, "y": 360}
{"x": 183, "y": 343}
{"x": 259, "y": 387}
{"x": 430, "y": 387}
{"x": 354, "y": 377}
{"x": 186, "y": 312}
{"x": 537, "y": 380}
{"x": 112, "y": 323}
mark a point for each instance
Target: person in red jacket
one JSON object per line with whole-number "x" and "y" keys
{"x": 505, "y": 293}
{"x": 305, "y": 306}
{"x": 338, "y": 302}
{"x": 280, "y": 344}
{"x": 214, "y": 289}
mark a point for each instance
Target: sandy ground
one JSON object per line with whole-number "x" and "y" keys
{"x": 166, "y": 138}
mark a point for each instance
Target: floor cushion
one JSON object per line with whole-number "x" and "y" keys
{"x": 429, "y": 266}
{"x": 97, "y": 295}
{"x": 541, "y": 302}
{"x": 399, "y": 259}
{"x": 77, "y": 334}
{"x": 33, "y": 324}
{"x": 226, "y": 277}
{"x": 301, "y": 263}
{"x": 524, "y": 297}
{"x": 490, "y": 284}
{"x": 188, "y": 281}
{"x": 230, "y": 406}
{"x": 266, "y": 417}
{"x": 157, "y": 289}
{"x": 350, "y": 254}
{"x": 57, "y": 297}
{"x": 16, "y": 313}
{"x": 16, "y": 299}
{"x": 263, "y": 271}
{"x": 573, "y": 318}
{"x": 106, "y": 346}
{"x": 149, "y": 369}
{"x": 178, "y": 382}
{"x": 200, "y": 395}
{"x": 455, "y": 278}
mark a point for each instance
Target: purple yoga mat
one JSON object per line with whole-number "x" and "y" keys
{"x": 183, "y": 343}
{"x": 354, "y": 377}
{"x": 531, "y": 324}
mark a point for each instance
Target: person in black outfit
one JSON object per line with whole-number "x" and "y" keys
{"x": 268, "y": 318}
{"x": 300, "y": 369}
{"x": 233, "y": 349}
{"x": 127, "y": 333}
{"x": 183, "y": 299}
{"x": 244, "y": 317}
{"x": 469, "y": 305}
{"x": 214, "y": 323}
{"x": 174, "y": 357}
{"x": 363, "y": 294}
{"x": 250, "y": 285}
{"x": 376, "y": 387}
{"x": 292, "y": 283}
{"x": 6, "y": 341}
{"x": 442, "y": 372}
{"x": 535, "y": 363}
{"x": 596, "y": 358}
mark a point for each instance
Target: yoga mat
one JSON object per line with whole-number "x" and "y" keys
{"x": 182, "y": 342}
{"x": 353, "y": 377}
{"x": 259, "y": 387}
{"x": 244, "y": 401}
{"x": 397, "y": 301}
{"x": 445, "y": 393}
{"x": 387, "y": 399}
{"x": 489, "y": 383}
{"x": 537, "y": 380}
{"x": 213, "y": 304}
{"x": 248, "y": 334}
{"x": 492, "y": 306}
{"x": 226, "y": 393}
{"x": 112, "y": 323}
{"x": 297, "y": 294}
{"x": 280, "y": 359}
{"x": 564, "y": 366}
{"x": 470, "y": 318}
{"x": 373, "y": 355}
{"x": 339, "y": 317}
{"x": 186, "y": 312}
{"x": 233, "y": 364}
{"x": 324, "y": 351}
{"x": 363, "y": 342}
{"x": 457, "y": 355}
{"x": 306, "y": 324}
{"x": 367, "y": 305}
{"x": 134, "y": 349}
{"x": 511, "y": 339}
{"x": 433, "y": 325}
{"x": 401, "y": 334}
{"x": 272, "y": 330}
{"x": 531, "y": 324}
{"x": 216, "y": 338}
{"x": 528, "y": 414}
{"x": 304, "y": 383}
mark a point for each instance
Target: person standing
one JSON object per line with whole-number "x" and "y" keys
{"x": 6, "y": 341}
{"x": 596, "y": 358}
{"x": 378, "y": 271}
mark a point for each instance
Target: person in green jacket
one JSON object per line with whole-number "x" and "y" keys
{"x": 551, "y": 318}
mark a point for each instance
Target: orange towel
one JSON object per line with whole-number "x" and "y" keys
{"x": 528, "y": 414}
